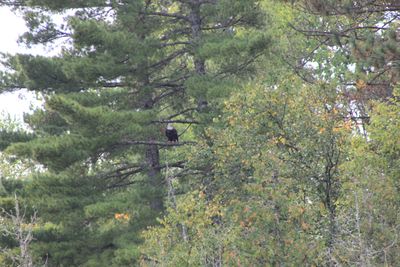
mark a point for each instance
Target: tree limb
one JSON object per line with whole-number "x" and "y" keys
{"x": 175, "y": 121}
{"x": 129, "y": 142}
{"x": 165, "y": 14}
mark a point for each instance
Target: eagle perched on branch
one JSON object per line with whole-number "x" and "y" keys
{"x": 171, "y": 133}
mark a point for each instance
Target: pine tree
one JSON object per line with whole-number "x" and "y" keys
{"x": 364, "y": 37}
{"x": 132, "y": 67}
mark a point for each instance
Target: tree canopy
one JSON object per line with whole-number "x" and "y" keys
{"x": 288, "y": 121}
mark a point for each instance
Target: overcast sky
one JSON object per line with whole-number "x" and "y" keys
{"x": 11, "y": 26}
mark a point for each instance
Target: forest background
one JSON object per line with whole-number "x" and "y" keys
{"x": 289, "y": 120}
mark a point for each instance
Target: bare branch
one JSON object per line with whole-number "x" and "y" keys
{"x": 21, "y": 231}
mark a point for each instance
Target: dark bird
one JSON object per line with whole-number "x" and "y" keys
{"x": 171, "y": 133}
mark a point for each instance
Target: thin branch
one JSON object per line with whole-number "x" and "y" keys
{"x": 128, "y": 142}
{"x": 166, "y": 84}
{"x": 121, "y": 180}
{"x": 180, "y": 113}
{"x": 201, "y": 2}
{"x": 113, "y": 84}
{"x": 118, "y": 185}
{"x": 174, "y": 44}
{"x": 172, "y": 197}
{"x": 169, "y": 58}
{"x": 166, "y": 94}
{"x": 169, "y": 34}
{"x": 165, "y": 14}
{"x": 185, "y": 130}
{"x": 176, "y": 121}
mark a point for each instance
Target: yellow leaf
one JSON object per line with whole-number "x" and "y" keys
{"x": 361, "y": 84}
{"x": 202, "y": 194}
{"x": 281, "y": 140}
{"x": 305, "y": 226}
{"x": 347, "y": 125}
{"x": 121, "y": 216}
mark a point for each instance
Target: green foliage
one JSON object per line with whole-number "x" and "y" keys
{"x": 7, "y": 138}
{"x": 30, "y": 74}
{"x": 292, "y": 164}
{"x": 131, "y": 68}
{"x": 255, "y": 204}
{"x": 370, "y": 206}
{"x": 289, "y": 182}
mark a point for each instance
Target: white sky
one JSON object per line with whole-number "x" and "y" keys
{"x": 11, "y": 26}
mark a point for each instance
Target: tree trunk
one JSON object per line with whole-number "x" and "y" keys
{"x": 195, "y": 20}
{"x": 331, "y": 207}
{"x": 153, "y": 172}
{"x": 152, "y": 156}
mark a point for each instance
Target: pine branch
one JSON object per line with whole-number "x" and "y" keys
{"x": 136, "y": 168}
{"x": 207, "y": 2}
{"x": 113, "y": 84}
{"x": 169, "y": 58}
{"x": 118, "y": 185}
{"x": 226, "y": 24}
{"x": 165, "y": 14}
{"x": 168, "y": 35}
{"x": 166, "y": 94}
{"x": 343, "y": 33}
{"x": 174, "y": 43}
{"x": 129, "y": 142}
{"x": 176, "y": 121}
{"x": 13, "y": 3}
{"x": 180, "y": 113}
{"x": 121, "y": 178}
{"x": 167, "y": 84}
